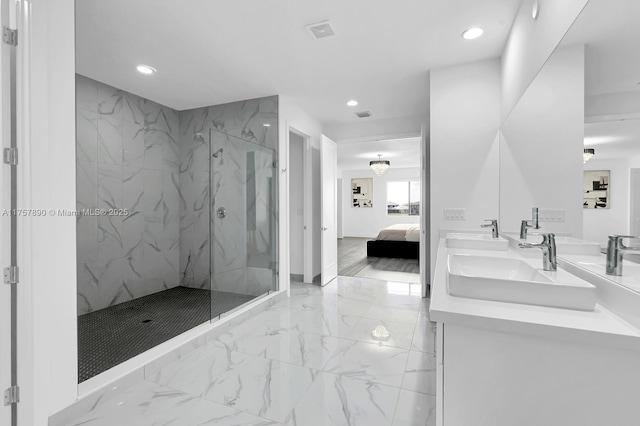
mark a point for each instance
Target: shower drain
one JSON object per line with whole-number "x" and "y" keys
{"x": 146, "y": 321}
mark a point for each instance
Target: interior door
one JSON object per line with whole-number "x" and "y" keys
{"x": 329, "y": 234}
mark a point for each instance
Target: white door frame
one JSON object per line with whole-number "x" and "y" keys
{"x": 633, "y": 191}
{"x": 5, "y": 221}
{"x": 306, "y": 202}
{"x": 425, "y": 212}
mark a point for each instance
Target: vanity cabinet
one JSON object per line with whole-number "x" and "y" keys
{"x": 500, "y": 377}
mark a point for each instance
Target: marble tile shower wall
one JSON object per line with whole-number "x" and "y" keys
{"x": 127, "y": 158}
{"x": 232, "y": 125}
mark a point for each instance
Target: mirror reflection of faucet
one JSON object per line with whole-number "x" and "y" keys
{"x": 533, "y": 223}
{"x": 493, "y": 225}
{"x": 615, "y": 250}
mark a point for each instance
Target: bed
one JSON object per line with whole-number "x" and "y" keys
{"x": 399, "y": 241}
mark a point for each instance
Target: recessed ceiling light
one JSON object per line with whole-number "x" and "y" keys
{"x": 146, "y": 69}
{"x": 352, "y": 102}
{"x": 267, "y": 125}
{"x": 472, "y": 33}
{"x": 535, "y": 10}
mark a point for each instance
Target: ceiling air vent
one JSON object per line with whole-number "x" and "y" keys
{"x": 321, "y": 29}
{"x": 363, "y": 114}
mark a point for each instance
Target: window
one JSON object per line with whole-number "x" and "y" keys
{"x": 403, "y": 198}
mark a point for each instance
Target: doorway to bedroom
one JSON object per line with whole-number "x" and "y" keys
{"x": 379, "y": 215}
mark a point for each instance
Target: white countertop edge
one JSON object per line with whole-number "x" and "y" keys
{"x": 600, "y": 327}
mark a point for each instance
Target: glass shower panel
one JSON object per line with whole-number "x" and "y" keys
{"x": 243, "y": 222}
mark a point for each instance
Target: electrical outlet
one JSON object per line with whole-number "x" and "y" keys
{"x": 551, "y": 215}
{"x": 454, "y": 214}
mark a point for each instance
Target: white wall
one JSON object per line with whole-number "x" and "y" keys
{"x": 377, "y": 129}
{"x": 465, "y": 118}
{"x": 531, "y": 42}
{"x": 600, "y": 223}
{"x": 290, "y": 115}
{"x": 47, "y": 246}
{"x": 367, "y": 222}
{"x": 296, "y": 203}
{"x": 541, "y": 147}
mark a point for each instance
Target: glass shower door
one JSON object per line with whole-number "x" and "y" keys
{"x": 243, "y": 222}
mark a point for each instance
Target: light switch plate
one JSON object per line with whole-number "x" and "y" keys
{"x": 551, "y": 215}
{"x": 454, "y": 214}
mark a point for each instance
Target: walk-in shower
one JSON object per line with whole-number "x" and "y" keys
{"x": 197, "y": 237}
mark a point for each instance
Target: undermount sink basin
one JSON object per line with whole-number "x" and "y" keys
{"x": 516, "y": 281}
{"x": 570, "y": 245}
{"x": 476, "y": 241}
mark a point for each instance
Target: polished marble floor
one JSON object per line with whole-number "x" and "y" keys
{"x": 309, "y": 360}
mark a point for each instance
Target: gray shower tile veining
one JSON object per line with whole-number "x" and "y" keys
{"x": 127, "y": 159}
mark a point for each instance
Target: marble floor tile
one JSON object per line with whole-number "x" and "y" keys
{"x": 420, "y": 373}
{"x": 305, "y": 349}
{"x": 408, "y": 315}
{"x": 415, "y": 409}
{"x": 257, "y": 385}
{"x": 318, "y": 321}
{"x": 150, "y": 404}
{"x": 400, "y": 295}
{"x": 339, "y": 400}
{"x": 251, "y": 338}
{"x": 424, "y": 335}
{"x": 369, "y": 362}
{"x": 306, "y": 360}
{"x": 401, "y": 334}
{"x": 334, "y": 304}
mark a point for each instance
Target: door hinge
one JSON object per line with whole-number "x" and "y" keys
{"x": 10, "y": 156}
{"x": 12, "y": 395}
{"x": 11, "y": 275}
{"x": 10, "y": 36}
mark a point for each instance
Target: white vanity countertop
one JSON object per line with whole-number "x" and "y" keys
{"x": 600, "y": 327}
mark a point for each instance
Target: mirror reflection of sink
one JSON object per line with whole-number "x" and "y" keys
{"x": 476, "y": 241}
{"x": 630, "y": 270}
{"x": 516, "y": 281}
{"x": 564, "y": 244}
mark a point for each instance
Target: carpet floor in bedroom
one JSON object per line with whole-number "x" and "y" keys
{"x": 353, "y": 262}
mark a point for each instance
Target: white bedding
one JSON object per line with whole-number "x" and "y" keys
{"x": 400, "y": 232}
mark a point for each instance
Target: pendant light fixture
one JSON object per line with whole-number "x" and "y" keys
{"x": 587, "y": 154}
{"x": 379, "y": 166}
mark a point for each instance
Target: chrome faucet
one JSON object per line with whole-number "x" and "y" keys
{"x": 493, "y": 225}
{"x": 534, "y": 218}
{"x": 548, "y": 246}
{"x": 533, "y": 223}
{"x": 523, "y": 229}
{"x": 615, "y": 250}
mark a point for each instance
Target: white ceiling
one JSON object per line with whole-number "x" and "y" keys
{"x": 213, "y": 52}
{"x": 402, "y": 153}
{"x": 613, "y": 139}
{"x": 610, "y": 31}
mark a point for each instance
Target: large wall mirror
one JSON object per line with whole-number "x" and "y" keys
{"x": 587, "y": 96}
